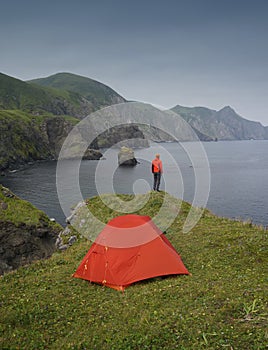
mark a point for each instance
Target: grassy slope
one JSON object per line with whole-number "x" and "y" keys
{"x": 92, "y": 90}
{"x": 20, "y": 116}
{"x": 20, "y": 211}
{"x": 221, "y": 306}
{"x": 17, "y": 94}
{"x": 23, "y": 117}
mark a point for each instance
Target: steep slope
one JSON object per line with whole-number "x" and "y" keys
{"x": 21, "y": 139}
{"x": 26, "y": 138}
{"x": 17, "y": 94}
{"x": 98, "y": 94}
{"x": 224, "y": 124}
{"x": 240, "y": 128}
{"x": 155, "y": 124}
{"x": 26, "y": 233}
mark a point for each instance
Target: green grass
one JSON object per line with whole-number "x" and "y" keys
{"x": 222, "y": 305}
{"x": 20, "y": 211}
{"x": 97, "y": 93}
{"x": 19, "y": 116}
{"x": 32, "y": 98}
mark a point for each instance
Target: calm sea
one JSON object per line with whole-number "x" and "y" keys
{"x": 238, "y": 182}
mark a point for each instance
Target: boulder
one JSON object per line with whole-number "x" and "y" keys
{"x": 92, "y": 154}
{"x": 126, "y": 157}
{"x": 63, "y": 247}
{"x": 72, "y": 240}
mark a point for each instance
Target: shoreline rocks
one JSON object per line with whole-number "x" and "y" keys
{"x": 26, "y": 233}
{"x": 22, "y": 244}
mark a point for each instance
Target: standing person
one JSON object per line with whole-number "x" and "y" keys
{"x": 157, "y": 170}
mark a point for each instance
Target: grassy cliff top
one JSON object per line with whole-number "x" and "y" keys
{"x": 19, "y": 211}
{"x": 222, "y": 305}
{"x": 16, "y": 115}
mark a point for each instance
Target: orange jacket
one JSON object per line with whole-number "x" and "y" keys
{"x": 157, "y": 166}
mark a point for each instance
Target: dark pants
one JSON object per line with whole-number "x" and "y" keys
{"x": 157, "y": 178}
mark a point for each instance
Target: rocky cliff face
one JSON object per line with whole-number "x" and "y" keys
{"x": 36, "y": 117}
{"x": 20, "y": 140}
{"x": 54, "y": 131}
{"x": 24, "y": 138}
{"x": 125, "y": 135}
{"x": 224, "y": 124}
{"x": 158, "y": 135}
{"x": 238, "y": 128}
{"x": 21, "y": 244}
{"x": 26, "y": 234}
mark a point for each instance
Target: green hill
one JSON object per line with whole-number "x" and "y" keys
{"x": 98, "y": 94}
{"x": 222, "y": 305}
{"x": 36, "y": 119}
{"x": 19, "y": 95}
{"x": 224, "y": 124}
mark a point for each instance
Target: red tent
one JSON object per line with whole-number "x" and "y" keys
{"x": 130, "y": 248}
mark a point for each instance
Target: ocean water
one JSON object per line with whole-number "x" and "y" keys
{"x": 229, "y": 178}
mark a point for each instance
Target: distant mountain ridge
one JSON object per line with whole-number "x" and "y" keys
{"x": 224, "y": 124}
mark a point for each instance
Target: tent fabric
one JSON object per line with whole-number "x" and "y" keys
{"x": 130, "y": 248}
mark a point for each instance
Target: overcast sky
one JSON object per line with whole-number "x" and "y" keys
{"x": 189, "y": 52}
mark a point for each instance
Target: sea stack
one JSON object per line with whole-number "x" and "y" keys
{"x": 126, "y": 157}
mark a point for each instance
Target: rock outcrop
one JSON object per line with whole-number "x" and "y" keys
{"x": 123, "y": 135}
{"x": 126, "y": 157}
{"x": 21, "y": 140}
{"x": 25, "y": 138}
{"x": 26, "y": 233}
{"x": 23, "y": 243}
